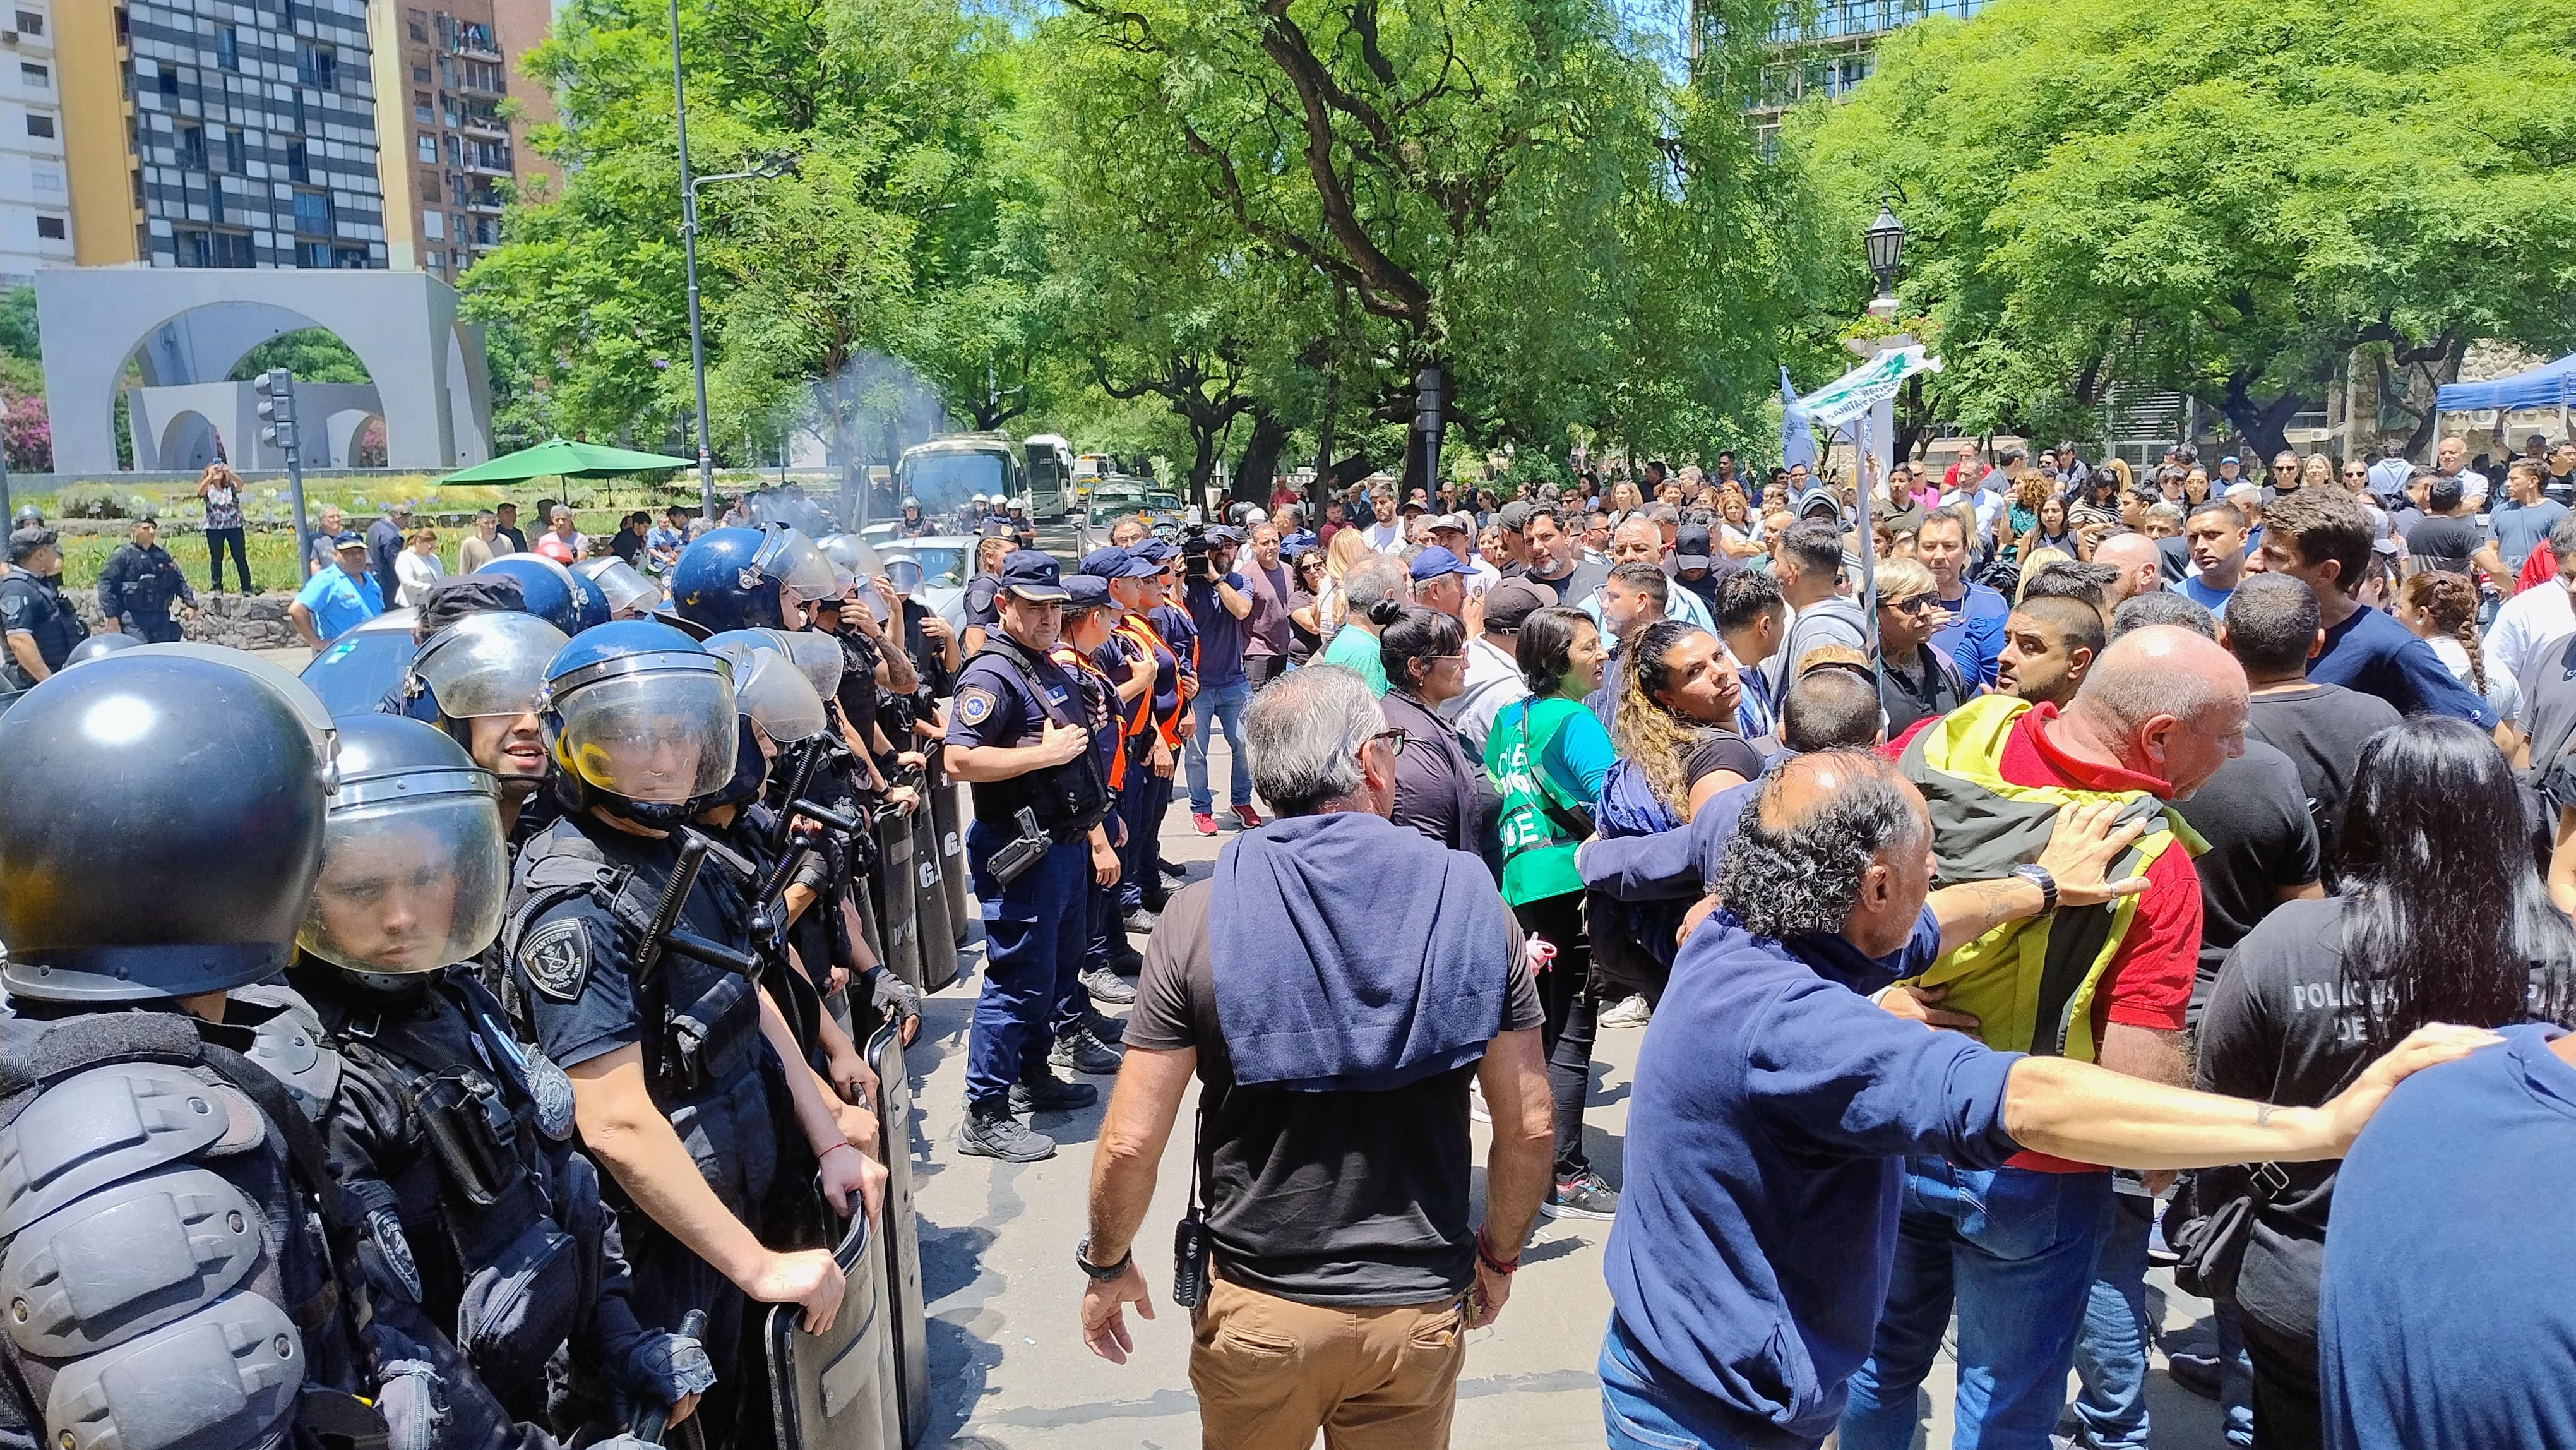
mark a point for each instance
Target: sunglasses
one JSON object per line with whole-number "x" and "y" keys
{"x": 1919, "y": 604}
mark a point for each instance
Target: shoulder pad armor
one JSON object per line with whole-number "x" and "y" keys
{"x": 112, "y": 1123}
{"x": 290, "y": 1044}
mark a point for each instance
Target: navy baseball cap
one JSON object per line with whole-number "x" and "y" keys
{"x": 1691, "y": 548}
{"x": 1031, "y": 574}
{"x": 350, "y": 541}
{"x": 1225, "y": 534}
{"x": 1117, "y": 563}
{"x": 1085, "y": 591}
{"x": 2231, "y": 458}
{"x": 1435, "y": 561}
{"x": 1154, "y": 551}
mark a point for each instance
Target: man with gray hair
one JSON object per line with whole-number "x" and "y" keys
{"x": 1374, "y": 593}
{"x": 1773, "y": 1108}
{"x": 1333, "y": 1051}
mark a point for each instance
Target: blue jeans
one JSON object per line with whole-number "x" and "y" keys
{"x": 1035, "y": 931}
{"x": 2111, "y": 1353}
{"x": 1225, "y": 704}
{"x": 2015, "y": 1249}
{"x": 2235, "y": 1380}
{"x": 1633, "y": 1416}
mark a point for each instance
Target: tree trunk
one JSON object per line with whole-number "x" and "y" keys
{"x": 1205, "y": 426}
{"x": 2259, "y": 425}
{"x": 1260, "y": 458}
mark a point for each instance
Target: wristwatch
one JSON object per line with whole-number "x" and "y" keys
{"x": 1101, "y": 1273}
{"x": 2037, "y": 875}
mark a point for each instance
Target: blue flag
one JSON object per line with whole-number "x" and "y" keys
{"x": 1797, "y": 441}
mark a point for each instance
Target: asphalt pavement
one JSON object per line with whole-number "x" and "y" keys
{"x": 1008, "y": 1366}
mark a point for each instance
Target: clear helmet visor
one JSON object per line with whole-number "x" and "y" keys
{"x": 903, "y": 572}
{"x": 408, "y": 885}
{"x": 770, "y": 691}
{"x": 854, "y": 556}
{"x": 815, "y": 656}
{"x": 655, "y": 736}
{"x": 789, "y": 557}
{"x": 488, "y": 664}
{"x": 628, "y": 591}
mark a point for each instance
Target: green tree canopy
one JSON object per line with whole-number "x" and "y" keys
{"x": 2223, "y": 197}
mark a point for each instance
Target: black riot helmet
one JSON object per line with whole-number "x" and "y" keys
{"x": 163, "y": 825}
{"x": 413, "y": 871}
{"x": 100, "y": 645}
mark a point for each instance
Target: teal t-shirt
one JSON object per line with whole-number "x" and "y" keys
{"x": 1354, "y": 648}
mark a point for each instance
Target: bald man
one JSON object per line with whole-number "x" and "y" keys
{"x": 2152, "y": 720}
{"x": 2140, "y": 563}
{"x": 1773, "y": 1107}
{"x": 1640, "y": 540}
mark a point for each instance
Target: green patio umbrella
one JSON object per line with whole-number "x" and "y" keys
{"x": 561, "y": 457}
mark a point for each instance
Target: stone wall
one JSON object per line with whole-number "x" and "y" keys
{"x": 256, "y": 621}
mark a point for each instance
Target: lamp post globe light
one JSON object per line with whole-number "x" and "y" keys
{"x": 1885, "y": 244}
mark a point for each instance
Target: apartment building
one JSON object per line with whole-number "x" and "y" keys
{"x": 35, "y": 196}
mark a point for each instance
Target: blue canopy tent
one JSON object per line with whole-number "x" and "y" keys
{"x": 2550, "y": 385}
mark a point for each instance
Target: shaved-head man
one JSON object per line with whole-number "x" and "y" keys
{"x": 1639, "y": 540}
{"x": 2049, "y": 646}
{"x": 2141, "y": 566}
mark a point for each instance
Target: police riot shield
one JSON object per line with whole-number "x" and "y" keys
{"x": 900, "y": 1233}
{"x": 949, "y": 821}
{"x": 898, "y": 930}
{"x": 937, "y": 940}
{"x": 835, "y": 1390}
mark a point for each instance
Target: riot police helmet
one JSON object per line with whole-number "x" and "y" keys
{"x": 549, "y": 588}
{"x": 414, "y": 876}
{"x": 769, "y": 689}
{"x": 591, "y": 608}
{"x": 639, "y": 717}
{"x": 628, "y": 593}
{"x": 816, "y": 656}
{"x": 486, "y": 665}
{"x": 164, "y": 825}
{"x": 740, "y": 578}
{"x": 99, "y": 646}
{"x": 852, "y": 556}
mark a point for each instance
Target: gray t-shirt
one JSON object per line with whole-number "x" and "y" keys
{"x": 2519, "y": 528}
{"x": 1341, "y": 1198}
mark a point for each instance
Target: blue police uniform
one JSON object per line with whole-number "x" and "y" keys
{"x": 1035, "y": 927}
{"x": 580, "y": 905}
{"x": 1181, "y": 634}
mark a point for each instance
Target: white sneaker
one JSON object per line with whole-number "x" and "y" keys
{"x": 1631, "y": 1013}
{"x": 1476, "y": 1102}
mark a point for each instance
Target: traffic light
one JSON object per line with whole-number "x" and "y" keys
{"x": 276, "y": 390}
{"x": 1426, "y": 402}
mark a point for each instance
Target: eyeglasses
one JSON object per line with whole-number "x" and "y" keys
{"x": 1919, "y": 604}
{"x": 1394, "y": 740}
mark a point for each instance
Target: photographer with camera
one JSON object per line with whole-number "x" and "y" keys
{"x": 1219, "y": 602}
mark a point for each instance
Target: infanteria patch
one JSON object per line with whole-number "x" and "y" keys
{"x": 974, "y": 705}
{"x": 556, "y": 957}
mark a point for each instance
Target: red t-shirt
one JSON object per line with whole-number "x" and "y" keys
{"x": 2148, "y": 983}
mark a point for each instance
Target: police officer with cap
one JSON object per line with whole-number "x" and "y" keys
{"x": 681, "y": 1090}
{"x": 37, "y": 624}
{"x": 1087, "y": 654}
{"x": 454, "y": 1141}
{"x": 1018, "y": 737}
{"x": 138, "y": 583}
{"x": 190, "y": 1280}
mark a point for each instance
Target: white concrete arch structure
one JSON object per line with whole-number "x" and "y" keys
{"x": 190, "y": 326}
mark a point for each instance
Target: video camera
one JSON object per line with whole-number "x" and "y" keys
{"x": 1195, "y": 546}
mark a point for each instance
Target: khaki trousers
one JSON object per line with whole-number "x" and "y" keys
{"x": 1270, "y": 1372}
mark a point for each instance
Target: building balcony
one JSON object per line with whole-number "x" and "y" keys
{"x": 492, "y": 126}
{"x": 500, "y": 169}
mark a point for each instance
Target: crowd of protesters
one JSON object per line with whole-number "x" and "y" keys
{"x": 2047, "y": 877}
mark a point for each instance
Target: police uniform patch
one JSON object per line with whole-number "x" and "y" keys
{"x": 556, "y": 957}
{"x": 974, "y": 704}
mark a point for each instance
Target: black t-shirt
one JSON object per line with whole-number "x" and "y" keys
{"x": 2285, "y": 1027}
{"x": 2321, "y": 728}
{"x": 1928, "y": 684}
{"x": 2254, "y": 813}
{"x": 2173, "y": 558}
{"x": 627, "y": 545}
{"x": 1341, "y": 1198}
{"x": 1721, "y": 750}
{"x": 2439, "y": 542}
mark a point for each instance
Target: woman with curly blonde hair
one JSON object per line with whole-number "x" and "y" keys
{"x": 1674, "y": 726}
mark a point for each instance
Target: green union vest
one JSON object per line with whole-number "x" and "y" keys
{"x": 1538, "y": 854}
{"x": 2030, "y": 982}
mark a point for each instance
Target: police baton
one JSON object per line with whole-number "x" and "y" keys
{"x": 652, "y": 1421}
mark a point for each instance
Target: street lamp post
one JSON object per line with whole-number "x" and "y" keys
{"x": 1885, "y": 245}
{"x": 772, "y": 165}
